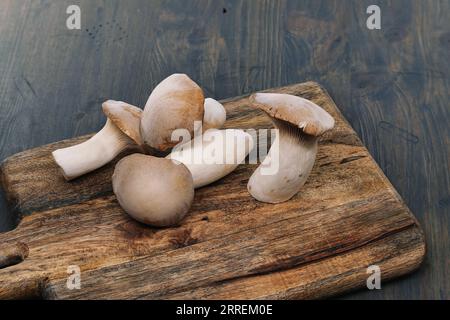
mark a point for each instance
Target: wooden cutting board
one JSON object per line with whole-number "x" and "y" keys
{"x": 346, "y": 218}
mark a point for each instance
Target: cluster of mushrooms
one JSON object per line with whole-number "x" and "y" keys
{"x": 156, "y": 184}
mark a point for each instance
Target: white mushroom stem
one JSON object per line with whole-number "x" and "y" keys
{"x": 93, "y": 153}
{"x": 214, "y": 114}
{"x": 213, "y": 155}
{"x": 214, "y": 117}
{"x": 286, "y": 167}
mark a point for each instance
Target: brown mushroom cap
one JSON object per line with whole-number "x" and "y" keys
{"x": 125, "y": 117}
{"x": 300, "y": 112}
{"x": 154, "y": 191}
{"x": 176, "y": 103}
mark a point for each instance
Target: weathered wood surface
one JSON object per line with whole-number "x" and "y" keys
{"x": 391, "y": 84}
{"x": 347, "y": 217}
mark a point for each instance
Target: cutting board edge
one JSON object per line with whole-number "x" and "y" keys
{"x": 10, "y": 195}
{"x": 47, "y": 290}
{"x": 414, "y": 266}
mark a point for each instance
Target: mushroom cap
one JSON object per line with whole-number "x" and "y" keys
{"x": 154, "y": 191}
{"x": 175, "y": 103}
{"x": 125, "y": 117}
{"x": 300, "y": 112}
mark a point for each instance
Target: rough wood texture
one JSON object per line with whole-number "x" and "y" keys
{"x": 347, "y": 217}
{"x": 392, "y": 84}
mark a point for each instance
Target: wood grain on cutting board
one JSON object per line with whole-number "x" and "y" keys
{"x": 346, "y": 218}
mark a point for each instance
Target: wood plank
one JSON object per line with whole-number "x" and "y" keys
{"x": 347, "y": 205}
{"x": 324, "y": 278}
{"x": 259, "y": 250}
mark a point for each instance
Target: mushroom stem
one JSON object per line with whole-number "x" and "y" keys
{"x": 286, "y": 167}
{"x": 93, "y": 153}
{"x": 213, "y": 155}
{"x": 214, "y": 115}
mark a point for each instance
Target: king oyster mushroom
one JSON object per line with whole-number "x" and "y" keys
{"x": 175, "y": 103}
{"x": 300, "y": 123}
{"x": 120, "y": 132}
{"x": 154, "y": 191}
{"x": 122, "y": 129}
{"x": 213, "y": 155}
